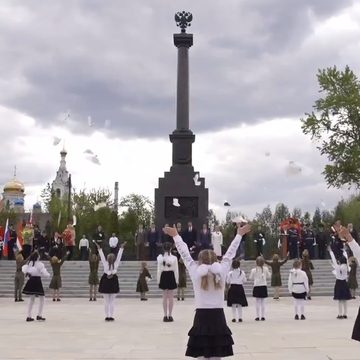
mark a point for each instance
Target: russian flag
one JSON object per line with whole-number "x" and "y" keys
{"x": 19, "y": 238}
{"x": 6, "y": 238}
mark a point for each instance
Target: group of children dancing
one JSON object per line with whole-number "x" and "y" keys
{"x": 209, "y": 337}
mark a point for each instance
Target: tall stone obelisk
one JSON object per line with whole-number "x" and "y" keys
{"x": 181, "y": 195}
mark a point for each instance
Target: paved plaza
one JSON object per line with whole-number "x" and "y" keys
{"x": 75, "y": 329}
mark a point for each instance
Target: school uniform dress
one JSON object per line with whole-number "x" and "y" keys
{"x": 182, "y": 274}
{"x": 209, "y": 336}
{"x": 298, "y": 284}
{"x": 236, "y": 294}
{"x": 260, "y": 276}
{"x": 341, "y": 288}
{"x": 34, "y": 284}
{"x": 307, "y": 266}
{"x": 142, "y": 285}
{"x": 56, "y": 282}
{"x": 93, "y": 276}
{"x": 355, "y": 248}
{"x": 109, "y": 282}
{"x": 167, "y": 271}
{"x": 275, "y": 271}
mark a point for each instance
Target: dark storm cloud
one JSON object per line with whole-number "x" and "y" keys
{"x": 116, "y": 62}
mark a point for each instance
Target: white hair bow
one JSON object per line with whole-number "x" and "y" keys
{"x": 214, "y": 268}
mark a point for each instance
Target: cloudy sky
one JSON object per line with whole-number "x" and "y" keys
{"x": 253, "y": 76}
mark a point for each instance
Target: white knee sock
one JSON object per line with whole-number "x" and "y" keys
{"x": 106, "y": 303}
{"x": 258, "y": 301}
{"x": 340, "y": 307}
{"x": 239, "y": 309}
{"x": 31, "y": 304}
{"x": 41, "y": 305}
{"x": 345, "y": 307}
{"x": 262, "y": 303}
{"x": 234, "y": 312}
{"x": 302, "y": 306}
{"x": 112, "y": 298}
{"x": 296, "y": 306}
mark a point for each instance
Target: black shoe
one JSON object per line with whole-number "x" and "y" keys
{"x": 107, "y": 319}
{"x": 344, "y": 317}
{"x": 353, "y": 297}
{"x": 262, "y": 319}
{"x": 40, "y": 318}
{"x": 143, "y": 299}
{"x": 170, "y": 319}
{"x": 182, "y": 299}
{"x": 339, "y": 317}
{"x": 58, "y": 300}
{"x": 240, "y": 320}
{"x": 29, "y": 319}
{"x": 16, "y": 300}
{"x": 309, "y": 297}
{"x": 296, "y": 317}
{"x": 302, "y": 317}
{"x": 111, "y": 319}
{"x": 54, "y": 300}
{"x": 233, "y": 320}
{"x": 90, "y": 299}
{"x": 21, "y": 300}
{"x": 94, "y": 299}
{"x": 165, "y": 319}
{"x": 178, "y": 299}
{"x": 257, "y": 319}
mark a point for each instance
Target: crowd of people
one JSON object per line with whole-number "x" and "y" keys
{"x": 213, "y": 275}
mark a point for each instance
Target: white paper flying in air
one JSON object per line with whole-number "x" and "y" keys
{"x": 56, "y": 140}
{"x": 197, "y": 182}
{"x": 176, "y": 202}
{"x": 88, "y": 151}
{"x": 90, "y": 122}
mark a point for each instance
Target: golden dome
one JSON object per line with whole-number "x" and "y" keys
{"x": 14, "y": 185}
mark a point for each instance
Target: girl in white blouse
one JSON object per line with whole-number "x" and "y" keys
{"x": 167, "y": 278}
{"x": 210, "y": 336}
{"x": 35, "y": 269}
{"x": 344, "y": 234}
{"x": 236, "y": 298}
{"x": 341, "y": 289}
{"x": 109, "y": 282}
{"x": 260, "y": 274}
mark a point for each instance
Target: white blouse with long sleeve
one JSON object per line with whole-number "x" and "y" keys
{"x": 260, "y": 275}
{"x": 212, "y": 298}
{"x": 298, "y": 282}
{"x": 340, "y": 270}
{"x": 355, "y": 248}
{"x": 105, "y": 263}
{"x": 37, "y": 269}
{"x": 171, "y": 264}
{"x": 236, "y": 277}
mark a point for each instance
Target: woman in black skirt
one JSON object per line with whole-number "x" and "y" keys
{"x": 236, "y": 298}
{"x": 35, "y": 269}
{"x": 168, "y": 278}
{"x": 109, "y": 282}
{"x": 341, "y": 289}
{"x": 209, "y": 336}
{"x": 344, "y": 233}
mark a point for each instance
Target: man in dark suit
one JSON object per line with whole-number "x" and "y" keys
{"x": 189, "y": 236}
{"x": 12, "y": 243}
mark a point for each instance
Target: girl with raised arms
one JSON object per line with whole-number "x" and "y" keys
{"x": 209, "y": 337}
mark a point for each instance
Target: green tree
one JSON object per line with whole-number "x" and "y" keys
{"x": 280, "y": 214}
{"x": 335, "y": 124}
{"x": 316, "y": 220}
{"x": 296, "y": 213}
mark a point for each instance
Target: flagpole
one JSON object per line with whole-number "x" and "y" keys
{"x": 69, "y": 199}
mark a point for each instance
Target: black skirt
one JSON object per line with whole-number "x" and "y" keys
{"x": 299, "y": 295}
{"x": 260, "y": 292}
{"x": 167, "y": 281}
{"x": 209, "y": 336}
{"x": 34, "y": 286}
{"x": 109, "y": 285}
{"x": 236, "y": 295}
{"x": 341, "y": 290}
{"x": 356, "y": 329}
